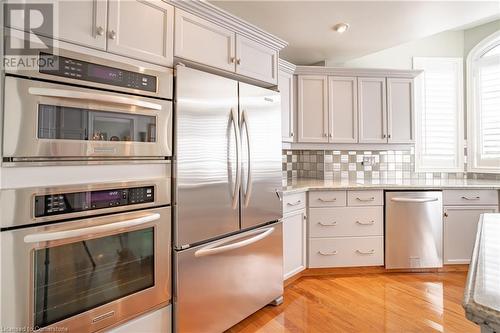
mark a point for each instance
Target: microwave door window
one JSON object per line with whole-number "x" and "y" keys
{"x": 77, "y": 277}
{"x": 69, "y": 123}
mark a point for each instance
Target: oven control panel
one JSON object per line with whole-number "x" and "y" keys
{"x": 87, "y": 71}
{"x": 64, "y": 203}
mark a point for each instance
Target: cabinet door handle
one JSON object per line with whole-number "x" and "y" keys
{"x": 389, "y": 136}
{"x": 328, "y": 253}
{"x": 296, "y": 203}
{"x": 325, "y": 135}
{"x": 330, "y": 135}
{"x": 365, "y": 252}
{"x": 471, "y": 198}
{"x": 365, "y": 223}
{"x": 364, "y": 200}
{"x": 291, "y": 134}
{"x": 445, "y": 214}
{"x": 238, "y": 61}
{"x": 112, "y": 34}
{"x": 99, "y": 31}
{"x": 328, "y": 224}
{"x": 327, "y": 200}
{"x": 384, "y": 136}
{"x": 232, "y": 60}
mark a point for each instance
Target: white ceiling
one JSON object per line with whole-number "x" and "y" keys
{"x": 374, "y": 25}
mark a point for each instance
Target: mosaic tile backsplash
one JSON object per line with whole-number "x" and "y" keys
{"x": 360, "y": 164}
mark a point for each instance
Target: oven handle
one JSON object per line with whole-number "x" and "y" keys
{"x": 48, "y": 92}
{"x": 57, "y": 235}
{"x": 417, "y": 200}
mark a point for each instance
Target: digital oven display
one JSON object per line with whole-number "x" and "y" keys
{"x": 105, "y": 197}
{"x": 104, "y": 73}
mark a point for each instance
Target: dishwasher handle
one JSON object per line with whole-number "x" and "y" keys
{"x": 415, "y": 200}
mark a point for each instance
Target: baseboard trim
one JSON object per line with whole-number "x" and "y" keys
{"x": 346, "y": 271}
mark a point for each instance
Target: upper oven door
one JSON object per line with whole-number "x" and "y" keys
{"x": 85, "y": 275}
{"x": 45, "y": 120}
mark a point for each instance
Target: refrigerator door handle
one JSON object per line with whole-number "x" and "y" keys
{"x": 237, "y": 183}
{"x": 248, "y": 191}
{"x": 215, "y": 248}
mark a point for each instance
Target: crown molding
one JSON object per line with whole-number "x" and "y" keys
{"x": 286, "y": 66}
{"x": 369, "y": 72}
{"x": 220, "y": 17}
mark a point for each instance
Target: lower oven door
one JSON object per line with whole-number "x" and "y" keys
{"x": 45, "y": 121}
{"x": 220, "y": 283}
{"x": 87, "y": 274}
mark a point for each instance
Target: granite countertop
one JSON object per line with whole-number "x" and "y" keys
{"x": 301, "y": 185}
{"x": 482, "y": 293}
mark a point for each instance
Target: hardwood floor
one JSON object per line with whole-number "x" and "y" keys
{"x": 395, "y": 302}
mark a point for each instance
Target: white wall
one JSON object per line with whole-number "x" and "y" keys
{"x": 475, "y": 35}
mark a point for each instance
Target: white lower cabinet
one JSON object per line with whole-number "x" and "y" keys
{"x": 346, "y": 229}
{"x": 460, "y": 226}
{"x": 294, "y": 243}
{"x": 346, "y": 252}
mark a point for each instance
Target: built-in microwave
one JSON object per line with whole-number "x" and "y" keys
{"x": 78, "y": 106}
{"x": 86, "y": 257}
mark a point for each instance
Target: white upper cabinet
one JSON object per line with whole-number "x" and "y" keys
{"x": 286, "y": 88}
{"x": 400, "y": 111}
{"x": 142, "y": 30}
{"x": 372, "y": 110}
{"x": 312, "y": 111}
{"x": 78, "y": 22}
{"x": 201, "y": 41}
{"x": 256, "y": 60}
{"x": 343, "y": 107}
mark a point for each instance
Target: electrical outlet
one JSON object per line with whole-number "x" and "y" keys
{"x": 368, "y": 160}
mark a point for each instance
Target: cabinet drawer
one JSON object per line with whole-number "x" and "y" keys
{"x": 365, "y": 198}
{"x": 327, "y": 198}
{"x": 346, "y": 221}
{"x": 470, "y": 197}
{"x": 346, "y": 251}
{"x": 292, "y": 202}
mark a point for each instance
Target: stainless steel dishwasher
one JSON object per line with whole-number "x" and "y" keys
{"x": 413, "y": 229}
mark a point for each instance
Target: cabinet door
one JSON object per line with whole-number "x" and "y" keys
{"x": 400, "y": 111}
{"x": 81, "y": 22}
{"x": 204, "y": 42}
{"x": 294, "y": 243}
{"x": 285, "y": 86}
{"x": 343, "y": 106}
{"x": 150, "y": 38}
{"x": 372, "y": 110}
{"x": 312, "y": 113}
{"x": 256, "y": 60}
{"x": 460, "y": 225}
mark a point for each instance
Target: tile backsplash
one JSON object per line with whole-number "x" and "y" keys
{"x": 361, "y": 165}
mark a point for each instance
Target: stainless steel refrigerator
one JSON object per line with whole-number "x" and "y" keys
{"x": 228, "y": 257}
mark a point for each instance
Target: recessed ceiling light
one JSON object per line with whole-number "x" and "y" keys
{"x": 341, "y": 27}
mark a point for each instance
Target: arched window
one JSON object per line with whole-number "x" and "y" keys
{"x": 483, "y": 92}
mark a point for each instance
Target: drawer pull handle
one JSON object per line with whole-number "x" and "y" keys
{"x": 328, "y": 253}
{"x": 328, "y": 224}
{"x": 365, "y": 252}
{"x": 296, "y": 203}
{"x": 471, "y": 198}
{"x": 327, "y": 200}
{"x": 365, "y": 200}
{"x": 365, "y": 223}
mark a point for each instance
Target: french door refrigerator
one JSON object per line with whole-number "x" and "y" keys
{"x": 228, "y": 257}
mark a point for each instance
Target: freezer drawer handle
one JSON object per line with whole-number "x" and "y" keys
{"x": 364, "y": 200}
{"x": 82, "y": 232}
{"x": 328, "y": 253}
{"x": 48, "y": 92}
{"x": 471, "y": 198}
{"x": 296, "y": 203}
{"x": 365, "y": 252}
{"x": 416, "y": 200}
{"x": 366, "y": 223}
{"x": 213, "y": 249}
{"x": 327, "y": 200}
{"x": 328, "y": 224}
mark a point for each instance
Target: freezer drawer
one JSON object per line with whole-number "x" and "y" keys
{"x": 220, "y": 283}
